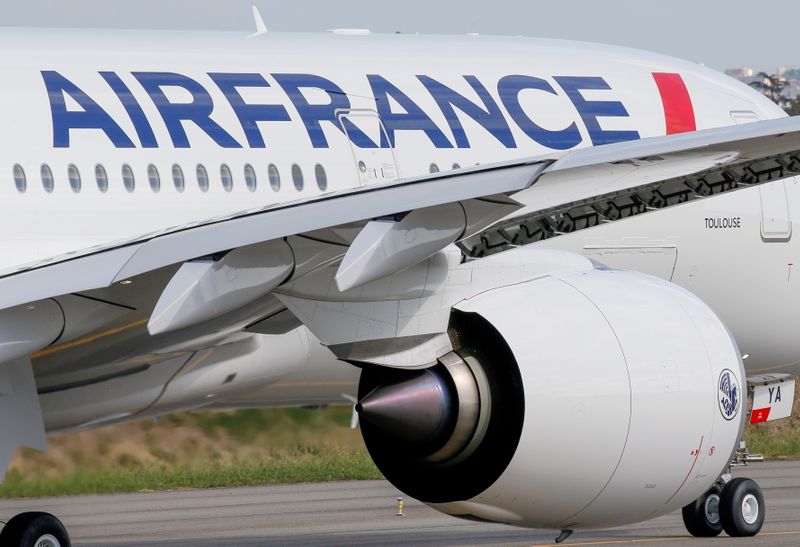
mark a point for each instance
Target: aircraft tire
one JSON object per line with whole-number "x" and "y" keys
{"x": 701, "y": 517}
{"x": 742, "y": 508}
{"x": 35, "y": 529}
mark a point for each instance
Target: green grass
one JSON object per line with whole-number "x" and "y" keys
{"x": 238, "y": 448}
{"x": 307, "y": 466}
{"x": 781, "y": 446}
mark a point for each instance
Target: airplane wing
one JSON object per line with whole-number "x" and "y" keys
{"x": 236, "y": 270}
{"x": 563, "y": 193}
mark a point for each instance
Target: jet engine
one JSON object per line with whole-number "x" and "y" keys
{"x": 589, "y": 399}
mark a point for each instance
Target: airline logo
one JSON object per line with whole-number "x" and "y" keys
{"x": 397, "y": 110}
{"x": 729, "y": 395}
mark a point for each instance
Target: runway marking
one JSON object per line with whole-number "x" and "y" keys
{"x": 655, "y": 540}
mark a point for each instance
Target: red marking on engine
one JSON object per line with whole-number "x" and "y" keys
{"x": 696, "y": 454}
{"x": 678, "y": 109}
{"x": 760, "y": 415}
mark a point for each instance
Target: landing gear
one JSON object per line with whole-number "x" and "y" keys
{"x": 742, "y": 508}
{"x": 34, "y": 529}
{"x": 737, "y": 507}
{"x": 701, "y": 517}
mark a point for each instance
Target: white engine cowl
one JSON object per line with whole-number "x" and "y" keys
{"x": 606, "y": 398}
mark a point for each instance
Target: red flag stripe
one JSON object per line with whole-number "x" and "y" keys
{"x": 678, "y": 109}
{"x": 760, "y": 415}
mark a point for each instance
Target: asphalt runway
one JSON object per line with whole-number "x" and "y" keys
{"x": 361, "y": 513}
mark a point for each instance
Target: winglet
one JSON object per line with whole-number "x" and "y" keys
{"x": 261, "y": 28}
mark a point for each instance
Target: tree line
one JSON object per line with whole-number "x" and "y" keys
{"x": 773, "y": 87}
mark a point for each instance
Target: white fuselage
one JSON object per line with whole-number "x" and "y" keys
{"x": 94, "y": 104}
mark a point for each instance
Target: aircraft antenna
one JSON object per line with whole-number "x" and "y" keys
{"x": 261, "y": 28}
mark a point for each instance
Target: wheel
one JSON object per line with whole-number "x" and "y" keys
{"x": 701, "y": 517}
{"x": 34, "y": 529}
{"x": 742, "y": 508}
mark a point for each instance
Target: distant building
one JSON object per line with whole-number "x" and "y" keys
{"x": 740, "y": 73}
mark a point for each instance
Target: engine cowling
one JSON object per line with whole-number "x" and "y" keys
{"x": 591, "y": 399}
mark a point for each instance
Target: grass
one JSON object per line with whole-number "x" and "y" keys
{"x": 241, "y": 448}
{"x": 196, "y": 450}
{"x": 319, "y": 466}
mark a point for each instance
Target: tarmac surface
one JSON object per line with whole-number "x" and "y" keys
{"x": 362, "y": 513}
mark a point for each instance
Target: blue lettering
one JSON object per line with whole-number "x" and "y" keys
{"x": 509, "y": 88}
{"x": 249, "y": 115}
{"x": 413, "y": 119}
{"x": 313, "y": 114}
{"x": 489, "y": 116}
{"x": 591, "y": 110}
{"x": 134, "y": 110}
{"x": 198, "y": 111}
{"x": 92, "y": 116}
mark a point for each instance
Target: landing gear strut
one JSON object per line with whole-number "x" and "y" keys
{"x": 34, "y": 529}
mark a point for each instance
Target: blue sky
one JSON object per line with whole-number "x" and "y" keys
{"x": 719, "y": 34}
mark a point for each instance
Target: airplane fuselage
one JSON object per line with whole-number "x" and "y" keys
{"x": 161, "y": 130}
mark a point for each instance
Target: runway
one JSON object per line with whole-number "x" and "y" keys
{"x": 360, "y": 513}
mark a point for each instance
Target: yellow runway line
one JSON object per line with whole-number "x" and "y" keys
{"x": 655, "y": 540}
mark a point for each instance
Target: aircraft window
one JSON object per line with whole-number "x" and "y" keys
{"x": 456, "y": 166}
{"x": 177, "y": 178}
{"x": 154, "y": 178}
{"x": 19, "y": 179}
{"x": 101, "y": 177}
{"x": 322, "y": 178}
{"x": 128, "y": 179}
{"x": 202, "y": 178}
{"x": 274, "y": 177}
{"x": 250, "y": 177}
{"x": 297, "y": 177}
{"x": 434, "y": 168}
{"x": 227, "y": 177}
{"x": 74, "y": 178}
{"x": 47, "y": 179}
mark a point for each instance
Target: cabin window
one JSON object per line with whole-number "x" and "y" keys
{"x": 274, "y": 177}
{"x": 297, "y": 177}
{"x": 202, "y": 178}
{"x": 433, "y": 168}
{"x": 19, "y": 179}
{"x": 47, "y": 179}
{"x": 322, "y": 177}
{"x": 177, "y": 178}
{"x": 250, "y": 178}
{"x": 101, "y": 177}
{"x": 227, "y": 177}
{"x": 74, "y": 178}
{"x": 153, "y": 178}
{"x": 128, "y": 179}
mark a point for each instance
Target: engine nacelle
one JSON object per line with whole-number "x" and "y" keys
{"x": 591, "y": 399}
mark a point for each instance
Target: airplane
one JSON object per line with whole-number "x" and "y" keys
{"x": 549, "y": 273}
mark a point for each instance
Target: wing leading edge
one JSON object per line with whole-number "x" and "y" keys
{"x": 563, "y": 193}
